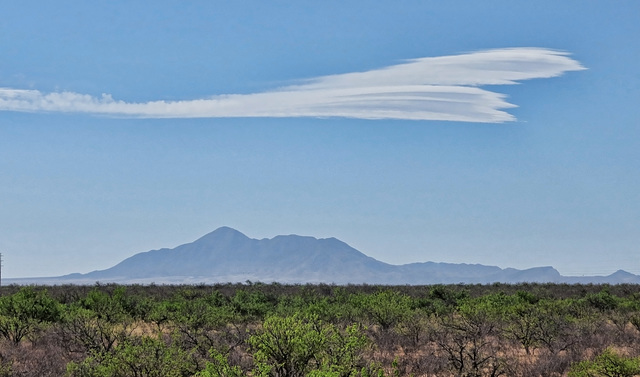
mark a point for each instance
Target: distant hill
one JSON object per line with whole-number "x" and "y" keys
{"x": 226, "y": 255}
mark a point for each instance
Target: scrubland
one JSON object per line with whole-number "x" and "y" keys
{"x": 256, "y": 329}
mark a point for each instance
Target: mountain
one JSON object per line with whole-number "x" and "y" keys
{"x": 226, "y": 255}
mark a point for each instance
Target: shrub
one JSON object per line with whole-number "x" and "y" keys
{"x": 607, "y": 364}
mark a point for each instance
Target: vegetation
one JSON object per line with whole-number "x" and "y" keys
{"x": 254, "y": 329}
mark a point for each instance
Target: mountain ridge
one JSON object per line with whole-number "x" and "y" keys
{"x": 227, "y": 255}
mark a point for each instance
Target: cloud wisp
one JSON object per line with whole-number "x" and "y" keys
{"x": 434, "y": 88}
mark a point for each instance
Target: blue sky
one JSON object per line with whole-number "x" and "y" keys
{"x": 121, "y": 129}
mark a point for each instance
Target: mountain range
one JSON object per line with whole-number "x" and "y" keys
{"x": 227, "y": 255}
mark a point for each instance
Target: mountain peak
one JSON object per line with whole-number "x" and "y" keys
{"x": 224, "y": 232}
{"x": 222, "y": 236}
{"x": 622, "y": 273}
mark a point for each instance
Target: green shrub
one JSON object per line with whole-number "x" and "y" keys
{"x": 607, "y": 364}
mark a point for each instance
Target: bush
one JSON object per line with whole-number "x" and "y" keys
{"x": 144, "y": 357}
{"x": 25, "y": 313}
{"x": 607, "y": 364}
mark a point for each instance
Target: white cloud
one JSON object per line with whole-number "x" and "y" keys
{"x": 439, "y": 88}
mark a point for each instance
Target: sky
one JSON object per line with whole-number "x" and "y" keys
{"x": 503, "y": 133}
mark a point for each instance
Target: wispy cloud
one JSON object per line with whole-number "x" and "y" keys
{"x": 436, "y": 88}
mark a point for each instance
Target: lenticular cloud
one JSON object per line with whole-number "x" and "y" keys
{"x": 435, "y": 88}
